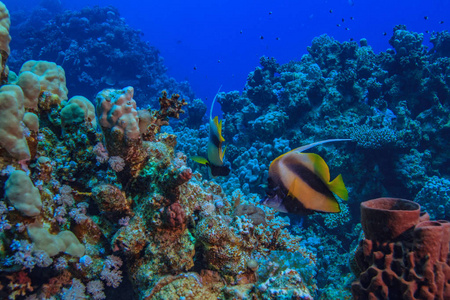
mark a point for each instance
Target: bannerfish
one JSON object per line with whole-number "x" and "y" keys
{"x": 299, "y": 183}
{"x": 215, "y": 154}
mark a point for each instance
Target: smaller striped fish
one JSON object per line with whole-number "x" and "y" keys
{"x": 299, "y": 183}
{"x": 215, "y": 153}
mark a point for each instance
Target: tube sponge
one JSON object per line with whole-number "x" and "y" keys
{"x": 65, "y": 241}
{"x": 22, "y": 194}
{"x": 11, "y": 115}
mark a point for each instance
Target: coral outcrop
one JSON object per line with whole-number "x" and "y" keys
{"x": 86, "y": 209}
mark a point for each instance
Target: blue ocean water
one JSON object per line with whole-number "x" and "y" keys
{"x": 214, "y": 43}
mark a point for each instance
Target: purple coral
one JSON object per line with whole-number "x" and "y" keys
{"x": 101, "y": 153}
{"x": 95, "y": 288}
{"x": 79, "y": 213}
{"x": 29, "y": 257}
{"x": 111, "y": 277}
{"x": 116, "y": 163}
{"x": 111, "y": 273}
{"x": 59, "y": 215}
{"x": 4, "y": 224}
{"x": 75, "y": 292}
{"x": 113, "y": 262}
{"x": 60, "y": 264}
{"x": 65, "y": 196}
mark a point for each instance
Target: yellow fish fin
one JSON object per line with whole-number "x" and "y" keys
{"x": 337, "y": 186}
{"x": 330, "y": 206}
{"x": 219, "y": 128}
{"x": 200, "y": 160}
{"x": 223, "y": 153}
{"x": 319, "y": 166}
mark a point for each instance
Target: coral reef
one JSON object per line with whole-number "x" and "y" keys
{"x": 122, "y": 211}
{"x": 395, "y": 102}
{"x": 98, "y": 204}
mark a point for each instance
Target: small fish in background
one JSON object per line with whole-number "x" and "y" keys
{"x": 240, "y": 32}
{"x": 261, "y": 37}
{"x": 425, "y": 17}
{"x": 270, "y": 12}
{"x": 385, "y": 33}
{"x": 331, "y": 11}
{"x": 215, "y": 153}
{"x": 299, "y": 183}
{"x": 441, "y": 22}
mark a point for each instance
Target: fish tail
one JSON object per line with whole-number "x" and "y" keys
{"x": 337, "y": 186}
{"x": 212, "y": 104}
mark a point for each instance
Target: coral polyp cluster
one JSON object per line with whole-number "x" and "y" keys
{"x": 98, "y": 203}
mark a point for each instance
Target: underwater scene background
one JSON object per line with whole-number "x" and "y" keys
{"x": 106, "y": 108}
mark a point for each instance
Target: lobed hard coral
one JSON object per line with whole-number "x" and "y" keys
{"x": 5, "y": 39}
{"x": 12, "y": 129}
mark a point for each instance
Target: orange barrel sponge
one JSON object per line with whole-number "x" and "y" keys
{"x": 402, "y": 256}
